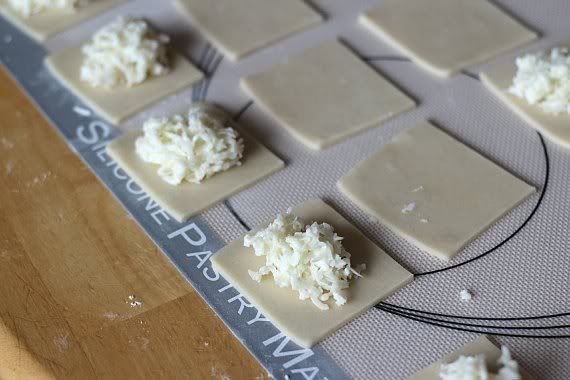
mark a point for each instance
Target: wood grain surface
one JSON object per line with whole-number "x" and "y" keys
{"x": 69, "y": 259}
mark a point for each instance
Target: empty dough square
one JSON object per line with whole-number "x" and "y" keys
{"x": 445, "y": 36}
{"x": 433, "y": 190}
{"x": 119, "y": 103}
{"x": 325, "y": 95}
{"x": 481, "y": 345}
{"x": 498, "y": 79}
{"x": 43, "y": 25}
{"x": 189, "y": 199}
{"x": 299, "y": 319}
{"x": 240, "y": 27}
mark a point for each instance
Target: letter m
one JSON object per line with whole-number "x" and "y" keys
{"x": 298, "y": 355}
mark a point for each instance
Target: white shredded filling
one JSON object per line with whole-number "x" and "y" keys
{"x": 190, "y": 148}
{"x": 125, "y": 52}
{"x": 310, "y": 260}
{"x": 475, "y": 368}
{"x": 27, "y": 8}
{"x": 543, "y": 79}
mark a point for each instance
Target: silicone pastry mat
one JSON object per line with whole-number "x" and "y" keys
{"x": 525, "y": 272}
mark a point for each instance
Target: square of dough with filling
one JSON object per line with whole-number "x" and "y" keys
{"x": 119, "y": 103}
{"x": 432, "y": 190}
{"x": 445, "y": 36}
{"x": 189, "y": 199}
{"x": 325, "y": 95}
{"x": 299, "y": 319}
{"x": 498, "y": 79}
{"x": 43, "y": 25}
{"x": 481, "y": 345}
{"x": 239, "y": 27}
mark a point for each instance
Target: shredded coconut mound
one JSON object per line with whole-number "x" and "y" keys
{"x": 27, "y": 8}
{"x": 190, "y": 148}
{"x": 475, "y": 368}
{"x": 125, "y": 52}
{"x": 543, "y": 79}
{"x": 311, "y": 260}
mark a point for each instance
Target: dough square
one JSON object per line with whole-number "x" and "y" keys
{"x": 325, "y": 95}
{"x": 45, "y": 24}
{"x": 300, "y": 320}
{"x": 240, "y": 27}
{"x": 187, "y": 200}
{"x": 556, "y": 127}
{"x": 432, "y": 190}
{"x": 120, "y": 103}
{"x": 481, "y": 345}
{"x": 445, "y": 36}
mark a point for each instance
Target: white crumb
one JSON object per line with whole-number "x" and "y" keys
{"x": 465, "y": 295}
{"x": 419, "y": 188}
{"x": 409, "y": 208}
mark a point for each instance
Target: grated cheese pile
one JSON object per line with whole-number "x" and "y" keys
{"x": 543, "y": 79}
{"x": 475, "y": 368}
{"x": 124, "y": 53}
{"x": 190, "y": 148}
{"x": 311, "y": 260}
{"x": 27, "y": 8}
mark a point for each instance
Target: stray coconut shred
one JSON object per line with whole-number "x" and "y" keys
{"x": 309, "y": 259}
{"x": 190, "y": 148}
{"x": 125, "y": 52}
{"x": 27, "y": 8}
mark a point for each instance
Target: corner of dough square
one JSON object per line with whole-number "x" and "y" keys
{"x": 556, "y": 127}
{"x": 187, "y": 200}
{"x": 240, "y": 27}
{"x": 445, "y": 36}
{"x": 43, "y": 25}
{"x": 325, "y": 95}
{"x": 119, "y": 103}
{"x": 481, "y": 345}
{"x": 432, "y": 190}
{"x": 299, "y": 319}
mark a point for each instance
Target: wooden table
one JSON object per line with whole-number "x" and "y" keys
{"x": 70, "y": 257}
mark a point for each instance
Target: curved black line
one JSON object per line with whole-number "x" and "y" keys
{"x": 209, "y": 79}
{"x": 242, "y": 110}
{"x": 386, "y": 58}
{"x": 552, "y": 327}
{"x": 546, "y": 179}
{"x": 527, "y": 318}
{"x": 404, "y": 315}
{"x": 200, "y": 63}
{"x": 236, "y": 215}
{"x": 471, "y": 75}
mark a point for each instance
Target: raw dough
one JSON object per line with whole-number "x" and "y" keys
{"x": 456, "y": 193}
{"x": 481, "y": 345}
{"x": 239, "y": 27}
{"x": 119, "y": 103}
{"x": 45, "y": 24}
{"x": 556, "y": 127}
{"x": 186, "y": 200}
{"x": 445, "y": 36}
{"x": 325, "y": 95}
{"x": 301, "y": 320}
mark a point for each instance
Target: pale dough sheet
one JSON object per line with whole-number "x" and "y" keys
{"x": 120, "y": 103}
{"x": 326, "y": 94}
{"x": 445, "y": 36}
{"x": 240, "y": 27}
{"x": 300, "y": 320}
{"x": 556, "y": 127}
{"x": 187, "y": 200}
{"x": 43, "y": 25}
{"x": 433, "y": 190}
{"x": 481, "y": 345}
